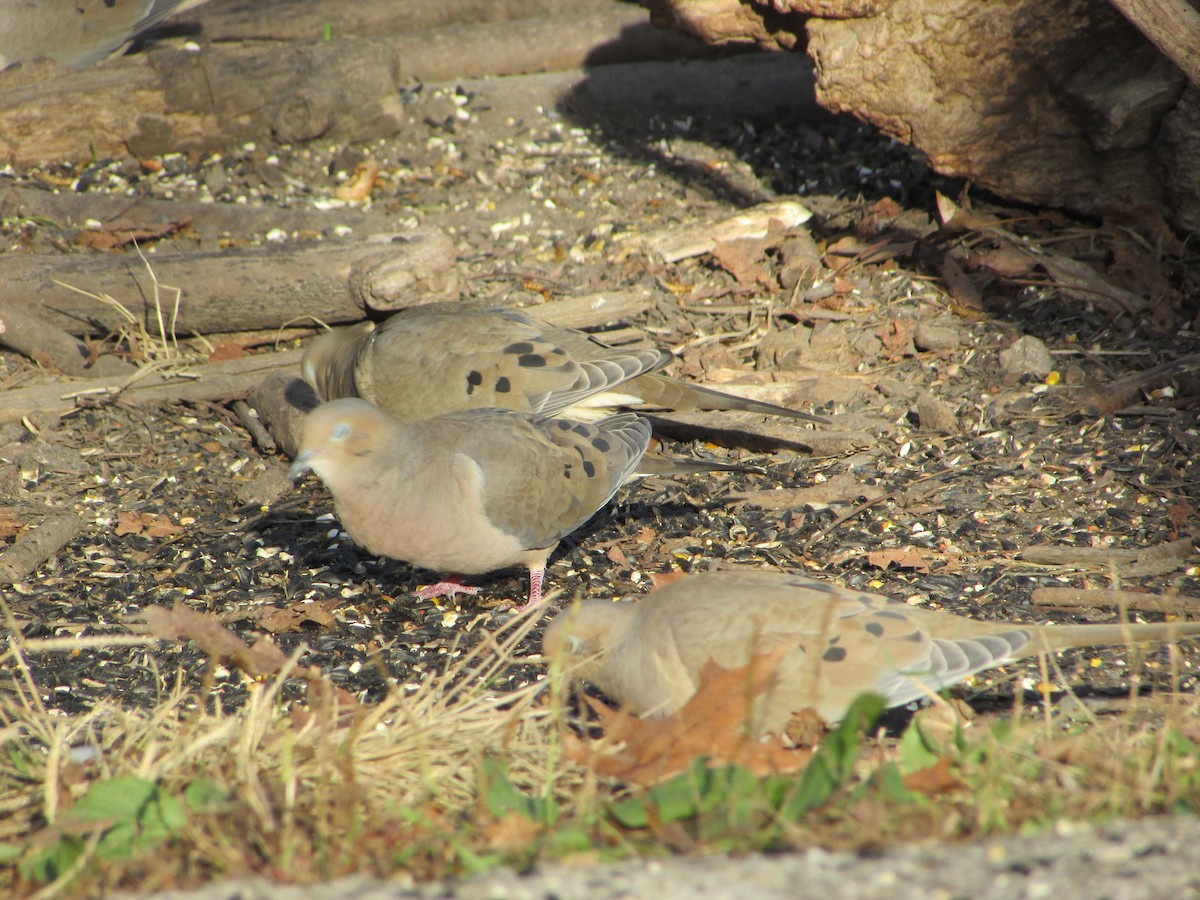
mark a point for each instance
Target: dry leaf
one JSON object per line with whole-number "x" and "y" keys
{"x": 712, "y": 724}
{"x": 360, "y": 185}
{"x": 226, "y": 350}
{"x": 214, "y": 639}
{"x": 933, "y": 780}
{"x": 153, "y": 525}
{"x": 901, "y": 558}
{"x": 292, "y": 618}
{"x": 111, "y": 238}
{"x": 659, "y": 579}
{"x": 10, "y": 522}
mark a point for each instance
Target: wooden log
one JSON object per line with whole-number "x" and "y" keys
{"x": 53, "y": 348}
{"x": 1056, "y": 102}
{"x": 170, "y": 100}
{"x": 213, "y": 381}
{"x": 238, "y": 289}
{"x": 1076, "y": 598}
{"x": 35, "y": 547}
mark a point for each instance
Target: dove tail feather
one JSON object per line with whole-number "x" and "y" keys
{"x": 1046, "y": 639}
{"x": 667, "y": 393}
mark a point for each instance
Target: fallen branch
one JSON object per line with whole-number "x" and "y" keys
{"x": 1093, "y": 598}
{"x": 30, "y": 334}
{"x": 35, "y": 547}
{"x": 340, "y": 280}
{"x": 213, "y": 381}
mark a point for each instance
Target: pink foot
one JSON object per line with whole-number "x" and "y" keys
{"x": 447, "y": 588}
{"x": 535, "y": 589}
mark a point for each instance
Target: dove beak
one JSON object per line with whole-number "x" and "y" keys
{"x": 302, "y": 465}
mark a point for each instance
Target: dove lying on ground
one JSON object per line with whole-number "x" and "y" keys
{"x": 648, "y": 655}
{"x": 469, "y": 492}
{"x": 443, "y": 357}
{"x": 76, "y": 32}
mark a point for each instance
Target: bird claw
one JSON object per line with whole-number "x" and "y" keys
{"x": 445, "y": 589}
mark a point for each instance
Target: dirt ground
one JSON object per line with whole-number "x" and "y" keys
{"x": 946, "y": 460}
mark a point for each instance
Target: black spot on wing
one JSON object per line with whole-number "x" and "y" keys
{"x": 519, "y": 347}
{"x": 601, "y": 444}
{"x": 531, "y": 360}
{"x": 474, "y": 380}
{"x": 503, "y": 385}
{"x": 873, "y": 628}
{"x": 588, "y": 469}
{"x": 834, "y": 654}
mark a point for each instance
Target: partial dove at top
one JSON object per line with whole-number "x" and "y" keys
{"x": 1067, "y": 103}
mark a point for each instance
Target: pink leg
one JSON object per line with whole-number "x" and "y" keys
{"x": 535, "y": 588}
{"x": 447, "y": 588}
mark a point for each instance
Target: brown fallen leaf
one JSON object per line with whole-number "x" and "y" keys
{"x": 153, "y": 525}
{"x": 658, "y": 579}
{"x": 901, "y": 558}
{"x": 226, "y": 350}
{"x": 292, "y": 618}
{"x": 711, "y": 724}
{"x": 934, "y": 780}
{"x": 214, "y": 639}
{"x": 113, "y": 237}
{"x": 360, "y": 185}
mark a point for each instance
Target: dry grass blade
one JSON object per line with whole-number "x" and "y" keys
{"x": 296, "y": 780}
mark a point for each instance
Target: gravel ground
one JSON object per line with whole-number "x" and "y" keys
{"x": 1152, "y": 858}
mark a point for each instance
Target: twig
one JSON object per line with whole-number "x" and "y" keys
{"x": 36, "y": 546}
{"x": 251, "y": 422}
{"x": 1095, "y": 598}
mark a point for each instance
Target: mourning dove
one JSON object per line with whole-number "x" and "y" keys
{"x": 443, "y": 357}
{"x": 468, "y": 492}
{"x": 76, "y": 32}
{"x": 648, "y": 655}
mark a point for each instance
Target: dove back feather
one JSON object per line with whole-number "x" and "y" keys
{"x": 443, "y": 357}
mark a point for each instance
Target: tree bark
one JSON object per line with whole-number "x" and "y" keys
{"x": 1056, "y": 102}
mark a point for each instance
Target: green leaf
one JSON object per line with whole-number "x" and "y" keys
{"x": 10, "y": 853}
{"x": 203, "y": 795}
{"x": 833, "y": 763}
{"x": 917, "y": 751}
{"x": 502, "y": 796}
{"x": 473, "y": 863}
{"x": 52, "y": 862}
{"x": 116, "y": 798}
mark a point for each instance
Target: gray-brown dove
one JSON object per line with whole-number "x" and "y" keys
{"x": 648, "y": 655}
{"x": 76, "y": 32}
{"x": 469, "y": 492}
{"x": 443, "y": 357}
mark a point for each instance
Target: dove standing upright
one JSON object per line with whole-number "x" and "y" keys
{"x": 648, "y": 655}
{"x": 443, "y": 357}
{"x": 76, "y": 32}
{"x": 469, "y": 492}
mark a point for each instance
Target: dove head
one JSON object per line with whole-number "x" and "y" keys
{"x": 337, "y": 435}
{"x": 329, "y": 362}
{"x": 582, "y": 633}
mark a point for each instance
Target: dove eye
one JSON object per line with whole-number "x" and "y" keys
{"x": 340, "y": 432}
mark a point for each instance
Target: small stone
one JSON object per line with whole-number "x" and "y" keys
{"x": 936, "y": 336}
{"x": 1027, "y": 356}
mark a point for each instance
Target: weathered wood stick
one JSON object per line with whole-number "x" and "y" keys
{"x": 1082, "y": 598}
{"x": 35, "y": 547}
